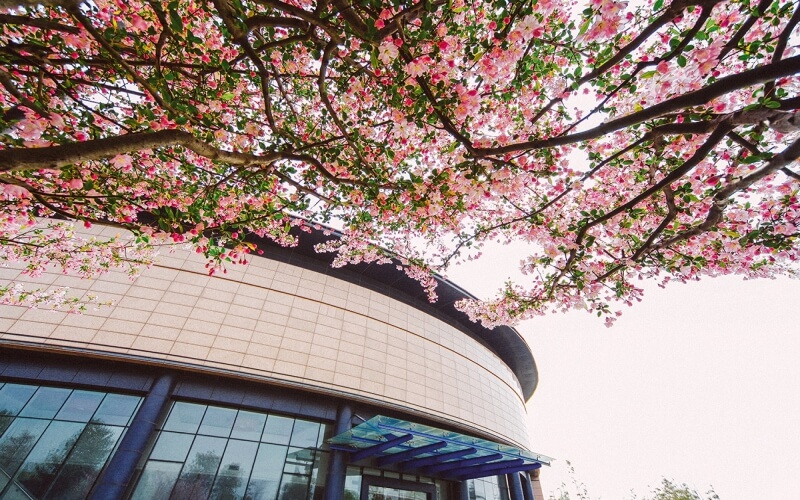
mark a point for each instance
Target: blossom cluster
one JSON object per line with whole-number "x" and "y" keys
{"x": 619, "y": 141}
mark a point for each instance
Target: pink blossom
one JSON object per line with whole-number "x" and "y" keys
{"x": 12, "y": 191}
{"x": 387, "y": 52}
{"x": 138, "y": 23}
{"x": 416, "y": 67}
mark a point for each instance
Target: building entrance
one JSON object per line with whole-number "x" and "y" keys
{"x": 382, "y": 488}
{"x": 384, "y": 493}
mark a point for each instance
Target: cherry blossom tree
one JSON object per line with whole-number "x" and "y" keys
{"x": 619, "y": 141}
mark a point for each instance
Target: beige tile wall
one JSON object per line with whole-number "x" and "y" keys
{"x": 270, "y": 319}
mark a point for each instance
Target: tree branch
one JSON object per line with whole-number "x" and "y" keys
{"x": 722, "y": 198}
{"x": 38, "y": 23}
{"x": 786, "y": 67}
{"x": 55, "y": 157}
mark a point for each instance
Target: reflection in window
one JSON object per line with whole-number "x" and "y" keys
{"x": 198, "y": 474}
{"x": 54, "y": 442}
{"x": 249, "y": 425}
{"x": 352, "y": 485}
{"x": 488, "y": 488}
{"x": 235, "y": 469}
{"x": 382, "y": 492}
{"x": 211, "y": 452}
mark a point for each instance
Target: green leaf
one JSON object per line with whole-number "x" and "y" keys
{"x": 175, "y": 21}
{"x": 752, "y": 159}
{"x": 373, "y": 58}
{"x": 585, "y": 26}
{"x": 227, "y": 96}
{"x": 681, "y": 61}
{"x": 658, "y": 5}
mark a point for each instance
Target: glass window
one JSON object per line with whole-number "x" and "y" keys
{"x": 318, "y": 475}
{"x": 234, "y": 470}
{"x": 200, "y": 468}
{"x": 217, "y": 422}
{"x": 294, "y": 487}
{"x": 16, "y": 443}
{"x": 185, "y": 417}
{"x": 41, "y": 465}
{"x": 305, "y": 434}
{"x": 4, "y": 423}
{"x": 116, "y": 409}
{"x": 52, "y": 448}
{"x": 222, "y": 453}
{"x": 267, "y": 472}
{"x": 278, "y": 430}
{"x": 382, "y": 492}
{"x": 13, "y": 397}
{"x": 299, "y": 461}
{"x": 352, "y": 484}
{"x": 45, "y": 403}
{"x": 486, "y": 488}
{"x": 249, "y": 425}
{"x": 80, "y": 406}
{"x": 84, "y": 464}
{"x": 354, "y": 476}
{"x": 157, "y": 480}
{"x": 172, "y": 446}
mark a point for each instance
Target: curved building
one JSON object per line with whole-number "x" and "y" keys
{"x": 281, "y": 379}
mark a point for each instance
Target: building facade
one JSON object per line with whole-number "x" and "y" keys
{"x": 281, "y": 379}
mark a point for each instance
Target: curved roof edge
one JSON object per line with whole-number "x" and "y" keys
{"x": 504, "y": 341}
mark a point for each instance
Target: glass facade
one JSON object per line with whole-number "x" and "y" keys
{"x": 212, "y": 452}
{"x": 54, "y": 442}
{"x": 353, "y": 480}
{"x": 488, "y": 488}
{"x": 386, "y": 493}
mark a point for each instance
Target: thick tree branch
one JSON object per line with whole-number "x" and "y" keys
{"x": 38, "y": 23}
{"x": 260, "y": 21}
{"x": 723, "y": 197}
{"x": 55, "y": 157}
{"x": 786, "y": 67}
{"x": 312, "y": 18}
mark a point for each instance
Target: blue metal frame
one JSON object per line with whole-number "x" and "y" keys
{"x": 391, "y": 442}
{"x": 436, "y": 459}
{"x": 434, "y": 452}
{"x": 461, "y": 463}
{"x": 408, "y": 454}
{"x": 506, "y": 470}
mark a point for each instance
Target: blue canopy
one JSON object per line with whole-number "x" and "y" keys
{"x": 432, "y": 452}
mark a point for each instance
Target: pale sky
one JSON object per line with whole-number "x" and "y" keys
{"x": 700, "y": 383}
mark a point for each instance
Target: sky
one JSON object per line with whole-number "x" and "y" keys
{"x": 700, "y": 383}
